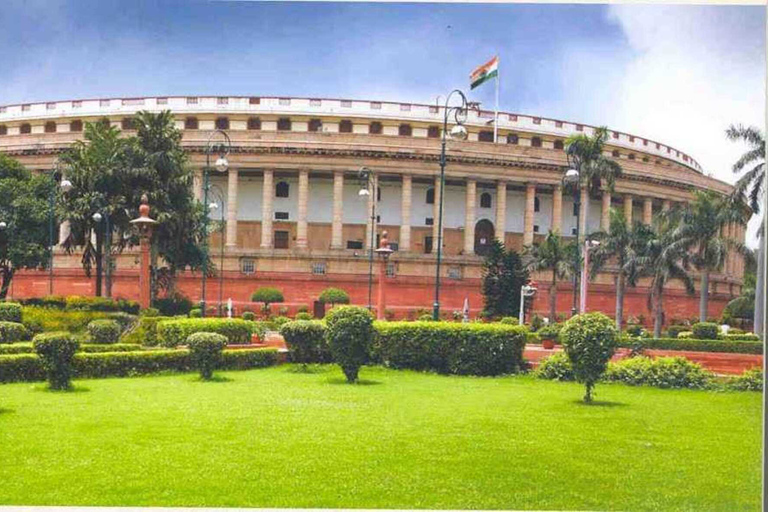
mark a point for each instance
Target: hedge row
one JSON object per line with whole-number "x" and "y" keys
{"x": 736, "y": 347}
{"x": 28, "y": 367}
{"x": 76, "y": 302}
{"x": 26, "y": 348}
{"x": 450, "y": 348}
{"x": 172, "y": 333}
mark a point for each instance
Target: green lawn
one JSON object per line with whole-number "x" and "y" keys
{"x": 276, "y": 438}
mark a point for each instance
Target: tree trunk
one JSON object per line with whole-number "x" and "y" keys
{"x": 553, "y": 299}
{"x": 99, "y": 262}
{"x": 108, "y": 269}
{"x": 619, "y": 301}
{"x": 658, "y": 314}
{"x": 760, "y": 290}
{"x": 704, "y": 296}
{"x": 6, "y": 283}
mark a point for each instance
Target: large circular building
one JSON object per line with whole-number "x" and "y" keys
{"x": 295, "y": 220}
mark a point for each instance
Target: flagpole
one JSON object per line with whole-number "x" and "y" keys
{"x": 496, "y": 115}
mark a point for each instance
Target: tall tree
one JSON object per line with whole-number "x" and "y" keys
{"x": 503, "y": 276}
{"x": 621, "y": 247}
{"x": 555, "y": 255}
{"x": 24, "y": 209}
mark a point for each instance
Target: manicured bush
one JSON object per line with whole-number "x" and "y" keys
{"x": 91, "y": 303}
{"x": 661, "y": 372}
{"x": 350, "y": 333}
{"x": 685, "y": 335}
{"x": 747, "y": 336}
{"x": 195, "y": 313}
{"x": 334, "y": 296}
{"x": 302, "y": 315}
{"x": 49, "y": 301}
{"x": 128, "y": 306}
{"x": 11, "y": 332}
{"x": 146, "y": 331}
{"x": 27, "y": 348}
{"x": 249, "y": 315}
{"x": 729, "y": 346}
{"x": 278, "y": 322}
{"x": 510, "y": 320}
{"x": 174, "y": 305}
{"x": 750, "y": 380}
{"x": 705, "y": 330}
{"x": 104, "y": 331}
{"x": 634, "y": 330}
{"x": 150, "y": 312}
{"x": 425, "y": 318}
{"x": 674, "y": 330}
{"x": 172, "y": 333}
{"x": 267, "y": 295}
{"x": 55, "y": 351}
{"x": 555, "y": 367}
{"x": 306, "y": 341}
{"x": 124, "y": 320}
{"x": 589, "y": 340}
{"x": 450, "y": 348}
{"x": 46, "y": 319}
{"x": 550, "y": 332}
{"x": 10, "y": 312}
{"x": 205, "y": 349}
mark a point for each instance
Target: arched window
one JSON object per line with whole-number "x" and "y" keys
{"x": 25, "y": 128}
{"x": 485, "y": 200}
{"x": 282, "y": 189}
{"x": 536, "y": 142}
{"x": 433, "y": 132}
{"x": 315, "y": 125}
{"x": 631, "y": 156}
{"x": 127, "y": 123}
{"x": 222, "y": 123}
{"x": 405, "y": 130}
{"x": 254, "y": 123}
{"x": 430, "y": 195}
{"x": 50, "y": 127}
{"x": 76, "y": 126}
{"x": 558, "y": 144}
{"x": 191, "y": 123}
{"x": 345, "y": 126}
{"x": 512, "y": 138}
{"x": 485, "y": 136}
{"x": 284, "y": 124}
{"x": 3, "y": 129}
{"x": 536, "y": 204}
{"x": 375, "y": 128}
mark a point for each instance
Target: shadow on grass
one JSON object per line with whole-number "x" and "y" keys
{"x": 213, "y": 379}
{"x": 72, "y": 389}
{"x": 6, "y": 411}
{"x": 360, "y": 382}
{"x": 310, "y": 369}
{"x": 600, "y": 403}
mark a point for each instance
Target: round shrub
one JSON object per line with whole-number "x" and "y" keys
{"x": 555, "y": 367}
{"x": 10, "y": 312}
{"x": 104, "y": 331}
{"x": 11, "y": 332}
{"x": 550, "y": 332}
{"x": 425, "y": 318}
{"x": 249, "y": 315}
{"x": 334, "y": 296}
{"x": 279, "y": 321}
{"x": 510, "y": 320}
{"x": 674, "y": 330}
{"x": 589, "y": 341}
{"x": 176, "y": 304}
{"x": 56, "y": 351}
{"x": 267, "y": 295}
{"x": 350, "y": 332}
{"x": 662, "y": 372}
{"x": 205, "y": 350}
{"x": 705, "y": 330}
{"x": 150, "y": 312}
{"x": 302, "y": 315}
{"x": 306, "y": 340}
{"x": 195, "y": 313}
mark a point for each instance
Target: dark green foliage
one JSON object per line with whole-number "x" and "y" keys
{"x": 589, "y": 340}
{"x": 750, "y": 380}
{"x": 503, "y": 275}
{"x": 306, "y": 341}
{"x": 205, "y": 349}
{"x": 28, "y": 348}
{"x": 425, "y": 318}
{"x": 450, "y": 348}
{"x": 705, "y": 330}
{"x": 172, "y": 333}
{"x": 350, "y": 333}
{"x": 150, "y": 312}
{"x": 510, "y": 320}
{"x": 662, "y": 372}
{"x": 174, "y": 305}
{"x": 278, "y": 322}
{"x": 11, "y": 332}
{"x": 550, "y": 332}
{"x": 104, "y": 331}
{"x": 303, "y": 315}
{"x": 49, "y": 301}
{"x": 78, "y": 303}
{"x": 634, "y": 330}
{"x": 741, "y": 307}
{"x": 55, "y": 350}
{"x": 249, "y": 315}
{"x": 334, "y": 296}
{"x": 195, "y": 313}
{"x": 674, "y": 330}
{"x": 555, "y": 367}
{"x": 146, "y": 332}
{"x": 124, "y": 320}
{"x": 267, "y": 295}
{"x": 735, "y": 347}
{"x": 10, "y": 312}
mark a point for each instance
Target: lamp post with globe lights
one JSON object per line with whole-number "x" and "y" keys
{"x": 65, "y": 186}
{"x": 368, "y": 191}
{"x": 222, "y": 164}
{"x": 572, "y": 180}
{"x": 384, "y": 252}
{"x": 218, "y": 204}
{"x": 458, "y": 132}
{"x": 106, "y": 256}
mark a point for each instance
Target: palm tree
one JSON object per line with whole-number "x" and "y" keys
{"x": 553, "y": 254}
{"x": 751, "y": 184}
{"x": 621, "y": 246}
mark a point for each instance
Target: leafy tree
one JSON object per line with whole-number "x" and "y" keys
{"x": 25, "y": 210}
{"x": 589, "y": 341}
{"x": 334, "y": 296}
{"x": 621, "y": 247}
{"x": 555, "y": 255}
{"x": 751, "y": 183}
{"x": 267, "y": 295}
{"x": 349, "y": 330}
{"x": 503, "y": 276}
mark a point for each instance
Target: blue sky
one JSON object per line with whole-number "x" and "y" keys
{"x": 679, "y": 74}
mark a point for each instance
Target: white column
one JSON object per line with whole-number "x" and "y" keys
{"x": 647, "y": 211}
{"x": 501, "y": 210}
{"x": 528, "y": 213}
{"x": 267, "y": 193}
{"x": 338, "y": 210}
{"x": 557, "y": 209}
{"x": 370, "y": 223}
{"x": 405, "y": 213}
{"x": 64, "y": 231}
{"x": 197, "y": 184}
{"x": 628, "y": 209}
{"x": 469, "y": 217}
{"x": 232, "y": 183}
{"x": 436, "y": 217}
{"x": 605, "y": 217}
{"x": 301, "y": 224}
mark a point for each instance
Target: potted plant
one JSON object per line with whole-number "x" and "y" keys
{"x": 548, "y": 335}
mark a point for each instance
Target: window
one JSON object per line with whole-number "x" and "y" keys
{"x": 281, "y": 240}
{"x": 103, "y": 103}
{"x": 50, "y": 106}
{"x": 391, "y": 269}
{"x": 615, "y": 135}
{"x": 127, "y": 123}
{"x": 535, "y": 228}
{"x": 645, "y": 142}
{"x": 254, "y": 101}
{"x": 222, "y": 101}
{"x": 433, "y": 132}
{"x": 646, "y": 159}
{"x": 558, "y": 124}
{"x": 375, "y": 105}
{"x": 315, "y": 125}
{"x": 558, "y": 144}
{"x": 282, "y": 189}
{"x": 77, "y": 104}
{"x": 345, "y": 126}
{"x": 76, "y": 126}
{"x": 25, "y": 128}
{"x": 284, "y": 124}
{"x": 25, "y": 108}
{"x": 254, "y": 123}
{"x": 631, "y": 138}
{"x": 512, "y": 138}
{"x": 318, "y": 268}
{"x": 50, "y": 127}
{"x": 315, "y": 103}
{"x": 378, "y": 194}
{"x": 536, "y": 142}
{"x": 133, "y": 102}
{"x": 631, "y": 156}
{"x": 513, "y": 117}
{"x": 346, "y": 103}
{"x": 573, "y": 231}
{"x": 405, "y": 130}
{"x": 162, "y": 101}
{"x": 429, "y": 221}
{"x": 247, "y": 266}
{"x": 191, "y": 123}
{"x": 485, "y": 200}
{"x": 536, "y": 120}
{"x": 428, "y": 244}
{"x": 282, "y": 216}
{"x": 285, "y": 101}
{"x": 454, "y": 273}
{"x": 3, "y": 129}
{"x": 375, "y": 128}
{"x": 536, "y": 204}
{"x": 579, "y": 127}
{"x": 616, "y": 153}
{"x": 485, "y": 136}
{"x": 405, "y": 108}
{"x": 575, "y": 209}
{"x": 222, "y": 123}
{"x": 430, "y": 196}
{"x": 354, "y": 244}
{"x": 434, "y": 109}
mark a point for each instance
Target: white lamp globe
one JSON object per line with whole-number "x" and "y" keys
{"x": 571, "y": 176}
{"x": 458, "y": 132}
{"x": 66, "y": 185}
{"x": 221, "y": 164}
{"x": 96, "y": 217}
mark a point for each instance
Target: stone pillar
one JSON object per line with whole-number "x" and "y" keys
{"x": 405, "y": 213}
{"x": 501, "y": 210}
{"x": 530, "y": 199}
{"x": 647, "y": 211}
{"x": 583, "y": 209}
{"x": 469, "y": 217}
{"x": 338, "y": 211}
{"x": 666, "y": 205}
{"x": 628, "y": 209}
{"x": 64, "y": 230}
{"x": 557, "y": 209}
{"x": 436, "y": 215}
{"x": 370, "y": 222}
{"x": 197, "y": 184}
{"x": 267, "y": 194}
{"x": 232, "y": 183}
{"x": 605, "y": 212}
{"x": 301, "y": 223}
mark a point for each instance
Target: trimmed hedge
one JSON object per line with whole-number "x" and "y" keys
{"x": 705, "y": 330}
{"x": 734, "y": 347}
{"x": 26, "y": 348}
{"x": 746, "y": 336}
{"x": 205, "y": 349}
{"x": 661, "y": 372}
{"x": 56, "y": 351}
{"x": 450, "y": 348}
{"x": 11, "y": 332}
{"x": 104, "y": 331}
{"x": 172, "y": 333}
{"x": 47, "y": 319}
{"x": 28, "y": 367}
{"x": 10, "y": 312}
{"x": 306, "y": 341}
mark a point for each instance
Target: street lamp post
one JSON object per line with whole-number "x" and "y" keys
{"x": 384, "y": 252}
{"x": 219, "y": 205}
{"x": 527, "y": 290}
{"x": 106, "y": 256}
{"x": 458, "y": 132}
{"x": 572, "y": 178}
{"x": 65, "y": 186}
{"x": 221, "y": 165}
{"x": 588, "y": 244}
{"x": 368, "y": 191}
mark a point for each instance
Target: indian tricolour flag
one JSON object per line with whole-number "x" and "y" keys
{"x": 485, "y": 72}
